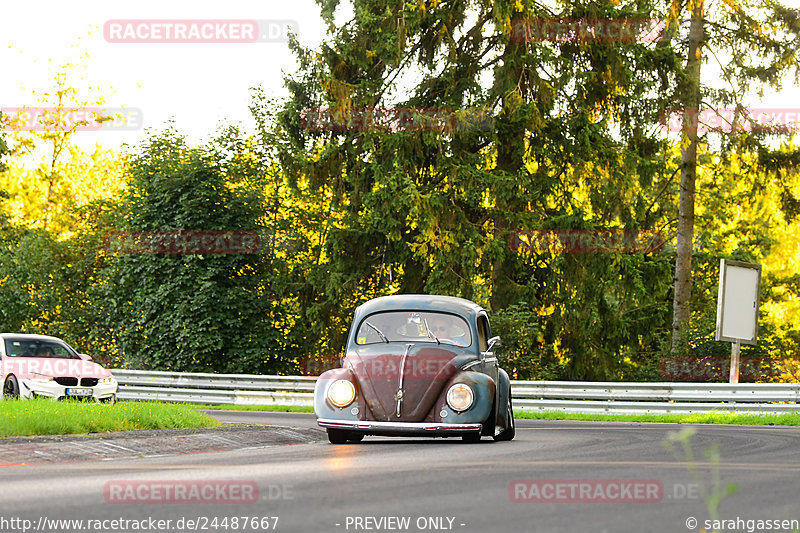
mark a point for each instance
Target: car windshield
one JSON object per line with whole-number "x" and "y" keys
{"x": 416, "y": 326}
{"x": 38, "y": 348}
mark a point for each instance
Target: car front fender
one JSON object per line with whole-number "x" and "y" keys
{"x": 483, "y": 387}
{"x": 323, "y": 408}
{"x": 501, "y": 420}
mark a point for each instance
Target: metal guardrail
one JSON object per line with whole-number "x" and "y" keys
{"x": 566, "y": 396}
{"x": 238, "y": 389}
{"x": 655, "y": 398}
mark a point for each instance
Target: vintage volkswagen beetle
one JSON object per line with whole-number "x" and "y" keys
{"x": 417, "y": 365}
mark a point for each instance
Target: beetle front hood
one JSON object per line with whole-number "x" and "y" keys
{"x": 378, "y": 368}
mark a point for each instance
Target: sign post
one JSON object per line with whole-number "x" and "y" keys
{"x": 737, "y": 307}
{"x": 734, "y": 375}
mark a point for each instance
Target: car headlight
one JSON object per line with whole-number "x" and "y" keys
{"x": 460, "y": 397}
{"x": 41, "y": 379}
{"x": 341, "y": 393}
{"x": 107, "y": 380}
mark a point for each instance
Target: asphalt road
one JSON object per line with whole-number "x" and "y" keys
{"x": 437, "y": 485}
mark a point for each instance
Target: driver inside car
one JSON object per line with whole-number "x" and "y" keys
{"x": 446, "y": 331}
{"x": 44, "y": 351}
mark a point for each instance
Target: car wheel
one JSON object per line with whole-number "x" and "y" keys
{"x": 471, "y": 438}
{"x": 511, "y": 430}
{"x": 11, "y": 388}
{"x": 111, "y": 400}
{"x": 337, "y": 436}
{"x": 355, "y": 437}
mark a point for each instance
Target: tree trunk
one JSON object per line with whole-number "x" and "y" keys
{"x": 683, "y": 262}
{"x": 510, "y": 160}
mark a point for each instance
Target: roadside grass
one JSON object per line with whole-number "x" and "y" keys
{"x": 742, "y": 419}
{"x": 787, "y": 419}
{"x": 42, "y": 416}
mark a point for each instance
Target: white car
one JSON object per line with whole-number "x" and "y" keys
{"x": 37, "y": 365}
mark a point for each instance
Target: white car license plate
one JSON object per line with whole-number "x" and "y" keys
{"x": 79, "y": 392}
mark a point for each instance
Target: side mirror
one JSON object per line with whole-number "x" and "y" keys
{"x": 84, "y": 357}
{"x": 494, "y": 341}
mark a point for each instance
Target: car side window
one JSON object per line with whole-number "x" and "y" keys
{"x": 483, "y": 333}
{"x": 61, "y": 352}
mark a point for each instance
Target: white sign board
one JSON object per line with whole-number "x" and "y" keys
{"x": 737, "y": 301}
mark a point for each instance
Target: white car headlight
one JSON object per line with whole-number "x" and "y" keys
{"x": 460, "y": 397}
{"x": 107, "y": 380}
{"x": 41, "y": 379}
{"x": 341, "y": 393}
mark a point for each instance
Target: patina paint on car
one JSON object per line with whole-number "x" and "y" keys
{"x": 402, "y": 371}
{"x": 484, "y": 389}
{"x": 426, "y": 371}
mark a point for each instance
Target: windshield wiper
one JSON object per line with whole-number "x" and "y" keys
{"x": 379, "y": 332}
{"x": 430, "y": 333}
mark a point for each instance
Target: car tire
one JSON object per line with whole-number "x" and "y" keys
{"x": 508, "y": 433}
{"x": 337, "y": 436}
{"x": 472, "y": 438}
{"x": 11, "y": 388}
{"x": 111, "y": 400}
{"x": 491, "y": 422}
{"x": 355, "y": 437}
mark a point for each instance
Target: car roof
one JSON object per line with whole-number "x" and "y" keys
{"x": 419, "y": 302}
{"x": 29, "y": 336}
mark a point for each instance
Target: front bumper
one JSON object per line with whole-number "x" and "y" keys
{"x": 411, "y": 429}
{"x": 30, "y": 388}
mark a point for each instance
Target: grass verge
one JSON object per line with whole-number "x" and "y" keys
{"x": 47, "y": 417}
{"x": 270, "y": 408}
{"x": 787, "y": 419}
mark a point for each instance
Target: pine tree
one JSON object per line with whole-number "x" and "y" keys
{"x": 536, "y": 134}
